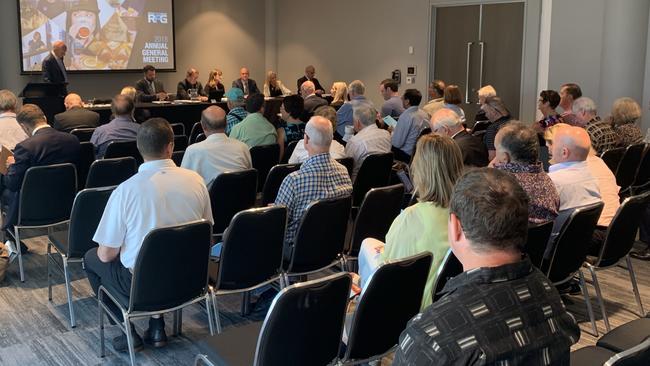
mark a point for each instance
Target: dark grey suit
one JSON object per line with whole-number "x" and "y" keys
{"x": 144, "y": 92}
{"x": 52, "y": 73}
{"x": 252, "y": 86}
{"x": 77, "y": 117}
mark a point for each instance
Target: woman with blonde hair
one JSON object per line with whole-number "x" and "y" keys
{"x": 625, "y": 113}
{"x": 129, "y": 91}
{"x": 214, "y": 88}
{"x": 274, "y": 87}
{"x": 436, "y": 166}
{"x": 339, "y": 93}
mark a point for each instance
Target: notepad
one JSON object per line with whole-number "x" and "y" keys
{"x": 4, "y": 155}
{"x": 390, "y": 121}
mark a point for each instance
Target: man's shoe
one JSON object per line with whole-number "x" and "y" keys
{"x": 572, "y": 288}
{"x": 120, "y": 343}
{"x": 156, "y": 335}
{"x": 643, "y": 255}
{"x": 11, "y": 250}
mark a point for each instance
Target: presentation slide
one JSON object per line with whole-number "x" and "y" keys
{"x": 101, "y": 35}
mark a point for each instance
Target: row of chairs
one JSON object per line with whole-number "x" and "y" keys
{"x": 631, "y": 166}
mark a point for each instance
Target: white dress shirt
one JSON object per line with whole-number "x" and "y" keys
{"x": 370, "y": 140}
{"x": 607, "y": 186}
{"x": 300, "y": 154}
{"x": 160, "y": 194}
{"x": 10, "y": 131}
{"x": 215, "y": 155}
{"x": 575, "y": 184}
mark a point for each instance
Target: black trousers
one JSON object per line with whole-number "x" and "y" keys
{"x": 112, "y": 274}
{"x": 644, "y": 227}
{"x": 399, "y": 154}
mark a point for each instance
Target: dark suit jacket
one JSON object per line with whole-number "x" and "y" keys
{"x": 183, "y": 87}
{"x": 76, "y": 117}
{"x": 313, "y": 102}
{"x": 252, "y": 86}
{"x": 314, "y": 80}
{"x": 473, "y": 149}
{"x": 143, "y": 92}
{"x": 52, "y": 73}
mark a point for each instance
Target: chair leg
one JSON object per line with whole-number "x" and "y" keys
{"x": 101, "y": 325}
{"x": 179, "y": 322}
{"x": 129, "y": 337}
{"x": 49, "y": 270}
{"x": 215, "y": 308}
{"x": 590, "y": 310}
{"x": 20, "y": 254}
{"x": 635, "y": 286}
{"x": 207, "y": 309}
{"x": 68, "y": 289}
{"x": 601, "y": 302}
{"x": 245, "y": 303}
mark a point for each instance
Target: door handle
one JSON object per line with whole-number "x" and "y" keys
{"x": 480, "y": 74}
{"x": 469, "y": 46}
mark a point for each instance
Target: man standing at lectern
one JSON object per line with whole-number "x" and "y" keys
{"x": 53, "y": 67}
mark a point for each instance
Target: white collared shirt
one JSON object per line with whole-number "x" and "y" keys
{"x": 39, "y": 128}
{"x": 215, "y": 155}
{"x": 300, "y": 154}
{"x": 370, "y": 140}
{"x": 11, "y": 133}
{"x": 160, "y": 194}
{"x": 575, "y": 184}
{"x": 607, "y": 186}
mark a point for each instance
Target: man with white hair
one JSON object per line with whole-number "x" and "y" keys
{"x": 446, "y": 122}
{"x": 602, "y": 135}
{"x": 311, "y": 99}
{"x": 54, "y": 70}
{"x": 320, "y": 177}
{"x": 310, "y": 72}
{"x": 369, "y": 139}
{"x": 356, "y": 91}
{"x": 75, "y": 115}
{"x": 11, "y": 133}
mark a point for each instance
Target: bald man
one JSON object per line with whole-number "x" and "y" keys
{"x": 53, "y": 67}
{"x": 217, "y": 153}
{"x": 310, "y": 71}
{"x": 75, "y": 115}
{"x": 312, "y": 100}
{"x": 447, "y": 123}
{"x": 245, "y": 83}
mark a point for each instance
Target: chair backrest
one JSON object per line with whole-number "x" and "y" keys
{"x": 538, "y": 235}
{"x": 254, "y": 242}
{"x": 180, "y": 143}
{"x": 178, "y": 128}
{"x": 571, "y": 244}
{"x": 449, "y": 268}
{"x": 288, "y": 151}
{"x": 47, "y": 194}
{"x": 264, "y": 157}
{"x": 172, "y": 267}
{"x": 87, "y": 210}
{"x": 230, "y": 193}
{"x": 305, "y": 323}
{"x": 480, "y": 126}
{"x": 377, "y": 212}
{"x": 83, "y": 134}
{"x": 111, "y": 172}
{"x": 86, "y": 158}
{"x": 274, "y": 180}
{"x": 612, "y": 158}
{"x": 425, "y": 131}
{"x": 635, "y": 356}
{"x": 120, "y": 149}
{"x": 321, "y": 234}
{"x": 395, "y": 289}
{"x": 348, "y": 163}
{"x": 643, "y": 173}
{"x": 200, "y": 137}
{"x": 177, "y": 157}
{"x": 374, "y": 172}
{"x": 629, "y": 165}
{"x": 622, "y": 230}
{"x": 195, "y": 131}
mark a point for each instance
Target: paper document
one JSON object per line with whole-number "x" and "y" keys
{"x": 4, "y": 155}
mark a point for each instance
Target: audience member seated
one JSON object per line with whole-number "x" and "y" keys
{"x": 393, "y": 105}
{"x": 497, "y": 113}
{"x": 191, "y": 82}
{"x": 10, "y": 131}
{"x": 274, "y": 87}
{"x": 121, "y": 128}
{"x": 421, "y": 227}
{"x": 339, "y": 93}
{"x": 471, "y": 324}
{"x": 452, "y": 100}
{"x": 292, "y": 127}
{"x": 137, "y": 206}
{"x": 569, "y": 92}
{"x": 44, "y": 146}
{"x": 547, "y": 102}
{"x": 310, "y": 71}
{"x": 356, "y": 91}
{"x": 245, "y": 83}
{"x": 485, "y": 92}
{"x": 311, "y": 99}
{"x": 447, "y": 123}
{"x": 236, "y": 110}
{"x": 409, "y": 126}
{"x": 626, "y": 112}
{"x": 139, "y": 114}
{"x": 255, "y": 129}
{"x": 517, "y": 152}
{"x": 214, "y": 88}
{"x": 602, "y": 135}
{"x": 75, "y": 115}
{"x": 217, "y": 153}
{"x": 320, "y": 177}
{"x": 437, "y": 95}
{"x": 337, "y": 151}
{"x": 149, "y": 89}
{"x": 369, "y": 139}
{"x": 130, "y": 92}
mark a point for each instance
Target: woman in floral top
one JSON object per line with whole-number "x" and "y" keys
{"x": 547, "y": 102}
{"x": 625, "y": 113}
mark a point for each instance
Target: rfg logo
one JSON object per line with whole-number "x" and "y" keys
{"x": 157, "y": 18}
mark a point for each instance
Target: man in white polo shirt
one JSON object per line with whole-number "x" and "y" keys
{"x": 138, "y": 206}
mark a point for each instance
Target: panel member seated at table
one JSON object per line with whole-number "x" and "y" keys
{"x": 214, "y": 88}
{"x": 149, "y": 88}
{"x": 121, "y": 128}
{"x": 75, "y": 115}
{"x": 191, "y": 81}
{"x": 310, "y": 71}
{"x": 255, "y": 129}
{"x": 245, "y": 83}
{"x": 273, "y": 87}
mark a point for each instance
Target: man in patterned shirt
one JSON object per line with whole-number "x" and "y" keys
{"x": 320, "y": 177}
{"x": 602, "y": 135}
{"x": 236, "y": 113}
{"x": 501, "y": 310}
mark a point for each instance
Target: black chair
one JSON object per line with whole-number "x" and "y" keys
{"x": 303, "y": 327}
{"x": 618, "y": 242}
{"x": 83, "y": 134}
{"x": 254, "y": 241}
{"x": 45, "y": 201}
{"x": 639, "y": 355}
{"x": 480, "y": 127}
{"x": 320, "y": 240}
{"x": 177, "y": 157}
{"x": 178, "y": 128}
{"x": 571, "y": 248}
{"x": 627, "y": 168}
{"x": 111, "y": 172}
{"x": 395, "y": 288}
{"x": 538, "y": 236}
{"x": 162, "y": 282}
{"x": 642, "y": 179}
{"x": 612, "y": 158}
{"x": 425, "y": 131}
{"x": 86, "y": 158}
{"x": 230, "y": 193}
{"x": 180, "y": 143}
{"x": 72, "y": 244}
{"x": 264, "y": 157}
{"x": 627, "y": 335}
{"x": 288, "y": 151}
{"x": 121, "y": 149}
{"x": 200, "y": 137}
{"x": 195, "y": 131}
{"x": 274, "y": 180}
{"x": 449, "y": 268}
{"x": 348, "y": 163}
{"x": 374, "y": 172}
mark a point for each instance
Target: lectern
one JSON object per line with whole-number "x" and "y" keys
{"x": 48, "y": 96}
